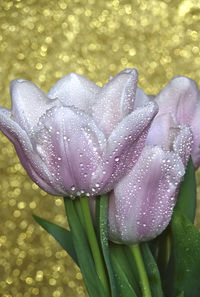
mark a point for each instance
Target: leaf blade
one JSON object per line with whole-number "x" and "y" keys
{"x": 85, "y": 259}
{"x": 186, "y": 256}
{"x": 186, "y": 201}
{"x": 124, "y": 286}
{"x": 62, "y": 235}
{"x": 103, "y": 235}
{"x": 152, "y": 271}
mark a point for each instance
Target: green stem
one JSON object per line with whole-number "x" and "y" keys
{"x": 94, "y": 244}
{"x": 79, "y": 211}
{"x": 146, "y": 291}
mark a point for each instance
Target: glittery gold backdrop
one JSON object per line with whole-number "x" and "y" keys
{"x": 43, "y": 41}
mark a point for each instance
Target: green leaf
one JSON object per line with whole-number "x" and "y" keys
{"x": 186, "y": 256}
{"x": 123, "y": 272}
{"x": 63, "y": 236}
{"x": 186, "y": 202}
{"x": 102, "y": 207}
{"x": 152, "y": 271}
{"x": 124, "y": 286}
{"x": 164, "y": 252}
{"x": 132, "y": 275}
{"x": 85, "y": 259}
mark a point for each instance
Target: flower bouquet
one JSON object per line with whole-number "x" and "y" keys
{"x": 125, "y": 164}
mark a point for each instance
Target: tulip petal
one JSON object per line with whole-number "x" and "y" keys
{"x": 183, "y": 144}
{"x": 75, "y": 90}
{"x": 180, "y": 97}
{"x": 29, "y": 103}
{"x": 141, "y": 98}
{"x": 160, "y": 131}
{"x": 195, "y": 124}
{"x": 31, "y": 162}
{"x": 125, "y": 144}
{"x": 115, "y": 100}
{"x": 71, "y": 145}
{"x": 142, "y": 203}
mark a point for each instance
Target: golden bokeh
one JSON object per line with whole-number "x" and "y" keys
{"x": 43, "y": 41}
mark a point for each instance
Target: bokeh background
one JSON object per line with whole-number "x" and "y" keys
{"x": 43, "y": 41}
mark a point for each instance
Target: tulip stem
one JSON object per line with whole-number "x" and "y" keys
{"x": 94, "y": 244}
{"x": 146, "y": 291}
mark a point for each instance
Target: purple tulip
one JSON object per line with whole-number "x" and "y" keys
{"x": 79, "y": 138}
{"x": 141, "y": 205}
{"x": 181, "y": 98}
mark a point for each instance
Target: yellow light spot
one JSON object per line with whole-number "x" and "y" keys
{"x": 39, "y": 66}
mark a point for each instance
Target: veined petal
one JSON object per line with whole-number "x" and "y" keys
{"x": 180, "y": 97}
{"x": 195, "y": 124}
{"x": 75, "y": 90}
{"x": 71, "y": 146}
{"x": 141, "y": 99}
{"x": 115, "y": 100}
{"x": 160, "y": 131}
{"x": 142, "y": 203}
{"x": 125, "y": 145}
{"x": 29, "y": 103}
{"x": 31, "y": 162}
{"x": 183, "y": 144}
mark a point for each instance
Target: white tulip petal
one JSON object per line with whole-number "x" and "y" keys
{"x": 32, "y": 163}
{"x": 71, "y": 146}
{"x": 29, "y": 103}
{"x": 180, "y": 98}
{"x": 183, "y": 144}
{"x": 194, "y": 125}
{"x": 141, "y": 99}
{"x": 142, "y": 203}
{"x": 75, "y": 90}
{"x": 160, "y": 131}
{"x": 125, "y": 144}
{"x": 115, "y": 100}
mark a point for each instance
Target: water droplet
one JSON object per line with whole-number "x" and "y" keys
{"x": 73, "y": 188}
{"x": 116, "y": 159}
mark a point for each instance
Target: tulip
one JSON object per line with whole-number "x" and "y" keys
{"x": 79, "y": 138}
{"x": 141, "y": 204}
{"x": 181, "y": 98}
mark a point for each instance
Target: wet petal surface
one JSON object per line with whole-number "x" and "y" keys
{"x": 75, "y": 90}
{"x": 142, "y": 203}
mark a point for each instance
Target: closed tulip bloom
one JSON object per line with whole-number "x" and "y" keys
{"x": 141, "y": 205}
{"x": 181, "y": 98}
{"x": 79, "y": 138}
